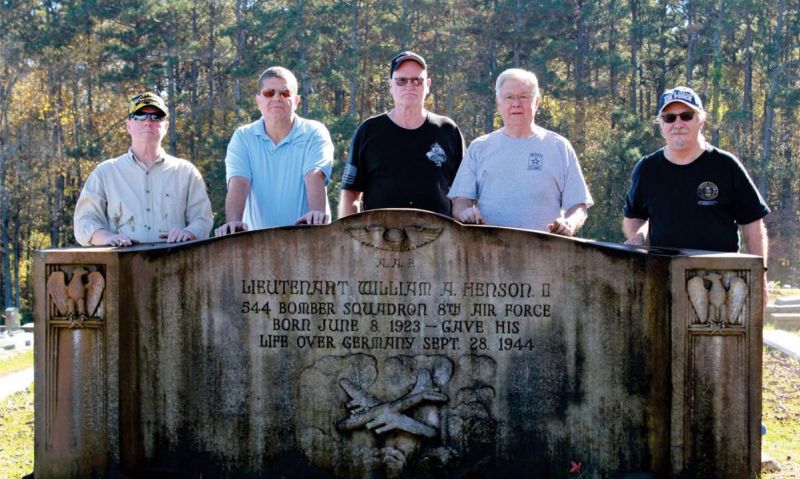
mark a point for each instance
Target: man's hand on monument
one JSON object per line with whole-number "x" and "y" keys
{"x": 471, "y": 215}
{"x": 120, "y": 240}
{"x": 313, "y": 217}
{"x": 561, "y": 226}
{"x": 231, "y": 227}
{"x": 177, "y": 235}
{"x": 636, "y": 240}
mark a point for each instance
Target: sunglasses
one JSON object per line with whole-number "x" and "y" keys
{"x": 684, "y": 116}
{"x": 403, "y": 81}
{"x": 271, "y": 93}
{"x": 156, "y": 117}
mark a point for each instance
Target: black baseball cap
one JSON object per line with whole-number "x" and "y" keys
{"x": 405, "y": 56}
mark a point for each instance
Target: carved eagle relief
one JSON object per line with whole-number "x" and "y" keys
{"x": 394, "y": 238}
{"x": 79, "y": 299}
{"x": 717, "y": 299}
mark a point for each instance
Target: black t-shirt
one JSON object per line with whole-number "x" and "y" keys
{"x": 694, "y": 206}
{"x": 399, "y": 168}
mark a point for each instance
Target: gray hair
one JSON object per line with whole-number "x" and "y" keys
{"x": 525, "y": 76}
{"x": 279, "y": 72}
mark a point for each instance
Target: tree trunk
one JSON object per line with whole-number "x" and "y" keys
{"x": 240, "y": 51}
{"x": 354, "y": 74}
{"x": 17, "y": 255}
{"x": 305, "y": 82}
{"x": 747, "y": 94}
{"x": 171, "y": 83}
{"x": 775, "y": 66}
{"x": 5, "y": 243}
{"x": 56, "y": 162}
{"x": 491, "y": 67}
{"x": 716, "y": 79}
{"x": 634, "y": 41}
{"x": 691, "y": 41}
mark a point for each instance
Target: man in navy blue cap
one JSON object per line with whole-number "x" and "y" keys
{"x": 691, "y": 194}
{"x": 406, "y": 157}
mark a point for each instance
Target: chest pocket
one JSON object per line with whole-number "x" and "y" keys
{"x": 172, "y": 211}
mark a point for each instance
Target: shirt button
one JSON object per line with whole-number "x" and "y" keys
{"x": 148, "y": 209}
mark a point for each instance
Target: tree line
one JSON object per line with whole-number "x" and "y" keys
{"x": 69, "y": 67}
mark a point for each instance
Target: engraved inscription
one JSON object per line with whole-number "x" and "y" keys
{"x": 392, "y": 315}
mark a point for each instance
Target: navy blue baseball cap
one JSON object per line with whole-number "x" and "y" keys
{"x": 682, "y": 94}
{"x": 403, "y": 57}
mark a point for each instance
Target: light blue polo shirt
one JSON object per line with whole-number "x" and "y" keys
{"x": 276, "y": 172}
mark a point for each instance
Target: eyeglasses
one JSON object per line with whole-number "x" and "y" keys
{"x": 271, "y": 93}
{"x": 684, "y": 115}
{"x": 519, "y": 98}
{"x": 156, "y": 117}
{"x": 403, "y": 81}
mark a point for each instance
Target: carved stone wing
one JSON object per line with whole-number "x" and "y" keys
{"x": 94, "y": 292}
{"x": 392, "y": 421}
{"x": 422, "y": 235}
{"x": 737, "y": 293}
{"x": 360, "y": 399}
{"x": 57, "y": 290}
{"x": 393, "y": 238}
{"x": 698, "y": 296}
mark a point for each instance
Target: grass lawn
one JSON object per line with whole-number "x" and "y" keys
{"x": 16, "y": 363}
{"x": 781, "y": 415}
{"x": 781, "y": 412}
{"x": 16, "y": 435}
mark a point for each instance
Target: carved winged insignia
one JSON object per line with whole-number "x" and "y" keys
{"x": 394, "y": 239}
{"x": 78, "y": 299}
{"x": 717, "y": 299}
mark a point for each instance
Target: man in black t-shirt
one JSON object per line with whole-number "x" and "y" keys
{"x": 690, "y": 194}
{"x": 407, "y": 157}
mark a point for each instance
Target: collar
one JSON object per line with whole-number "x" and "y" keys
{"x": 160, "y": 159}
{"x": 293, "y": 132}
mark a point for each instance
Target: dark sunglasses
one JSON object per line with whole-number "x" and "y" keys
{"x": 403, "y": 81}
{"x": 271, "y": 93}
{"x": 157, "y": 117}
{"x": 684, "y": 116}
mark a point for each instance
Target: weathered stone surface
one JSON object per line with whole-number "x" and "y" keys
{"x": 788, "y": 300}
{"x": 399, "y": 344}
{"x": 786, "y": 320}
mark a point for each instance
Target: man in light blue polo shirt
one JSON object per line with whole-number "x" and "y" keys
{"x": 277, "y": 167}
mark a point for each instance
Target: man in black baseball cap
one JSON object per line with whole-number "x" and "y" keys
{"x": 401, "y": 57}
{"x": 406, "y": 157}
{"x": 691, "y": 194}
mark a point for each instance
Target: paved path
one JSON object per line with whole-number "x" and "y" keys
{"x": 11, "y": 346}
{"x": 784, "y": 341}
{"x": 15, "y": 382}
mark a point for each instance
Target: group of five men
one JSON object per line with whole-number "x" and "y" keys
{"x": 688, "y": 194}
